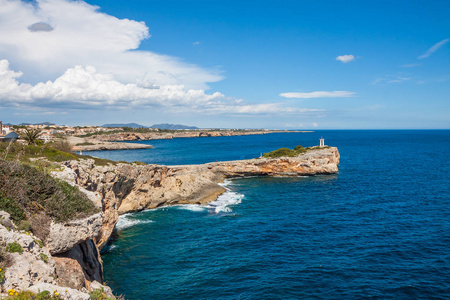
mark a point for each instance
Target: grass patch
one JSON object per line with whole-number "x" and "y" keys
{"x": 27, "y": 295}
{"x": 19, "y": 152}
{"x": 44, "y": 257}
{"x": 24, "y": 225}
{"x": 2, "y": 274}
{"x": 39, "y": 242}
{"x": 14, "y": 247}
{"x": 25, "y": 191}
{"x": 13, "y": 208}
{"x": 286, "y": 152}
{"x": 99, "y": 294}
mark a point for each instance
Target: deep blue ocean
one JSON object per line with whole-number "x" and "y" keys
{"x": 379, "y": 229}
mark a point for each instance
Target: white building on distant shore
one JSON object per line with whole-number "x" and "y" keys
{"x": 4, "y": 130}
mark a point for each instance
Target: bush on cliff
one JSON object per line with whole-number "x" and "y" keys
{"x": 286, "y": 152}
{"x": 20, "y": 152}
{"x": 26, "y": 192}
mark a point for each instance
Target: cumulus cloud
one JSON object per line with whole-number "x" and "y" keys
{"x": 84, "y": 87}
{"x": 433, "y": 49}
{"x": 319, "y": 94}
{"x": 345, "y": 58}
{"x": 71, "y": 55}
{"x": 46, "y": 37}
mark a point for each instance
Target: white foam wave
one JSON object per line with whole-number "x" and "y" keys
{"x": 222, "y": 204}
{"x": 225, "y": 200}
{"x": 192, "y": 207}
{"x": 126, "y": 221}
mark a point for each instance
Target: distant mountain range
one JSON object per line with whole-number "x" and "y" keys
{"x": 172, "y": 126}
{"x": 26, "y": 124}
{"x": 131, "y": 125}
{"x": 159, "y": 126}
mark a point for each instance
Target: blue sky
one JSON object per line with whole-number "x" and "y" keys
{"x": 265, "y": 64}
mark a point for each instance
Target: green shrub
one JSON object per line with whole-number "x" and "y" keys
{"x": 11, "y": 207}
{"x": 44, "y": 257}
{"x": 64, "y": 146}
{"x": 39, "y": 242}
{"x": 99, "y": 294}
{"x": 2, "y": 274}
{"x": 27, "y": 295}
{"x": 286, "y": 152}
{"x": 24, "y": 225}
{"x": 14, "y": 247}
{"x": 27, "y": 191}
{"x": 17, "y": 151}
{"x": 85, "y": 144}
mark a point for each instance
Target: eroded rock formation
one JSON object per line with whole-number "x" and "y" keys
{"x": 128, "y": 188}
{"x": 69, "y": 262}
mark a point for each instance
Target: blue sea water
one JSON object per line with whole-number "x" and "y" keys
{"x": 379, "y": 229}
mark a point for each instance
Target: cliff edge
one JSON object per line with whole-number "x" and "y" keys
{"x": 124, "y": 188}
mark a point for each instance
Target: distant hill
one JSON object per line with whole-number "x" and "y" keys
{"x": 43, "y": 123}
{"x": 172, "y": 126}
{"x": 132, "y": 125}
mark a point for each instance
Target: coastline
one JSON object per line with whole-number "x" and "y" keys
{"x": 158, "y": 135}
{"x": 66, "y": 259}
{"x": 118, "y": 141}
{"x": 94, "y": 145}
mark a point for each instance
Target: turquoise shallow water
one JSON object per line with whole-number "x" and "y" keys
{"x": 379, "y": 229}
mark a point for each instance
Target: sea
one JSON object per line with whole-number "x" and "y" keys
{"x": 379, "y": 229}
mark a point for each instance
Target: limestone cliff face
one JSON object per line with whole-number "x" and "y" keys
{"x": 126, "y": 188}
{"x": 69, "y": 260}
{"x": 37, "y": 267}
{"x": 313, "y": 162}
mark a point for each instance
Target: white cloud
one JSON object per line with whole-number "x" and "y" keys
{"x": 47, "y": 37}
{"x": 84, "y": 87}
{"x": 196, "y": 43}
{"x": 433, "y": 49}
{"x": 319, "y": 94}
{"x": 345, "y": 58}
{"x": 315, "y": 124}
{"x": 399, "y": 80}
{"x": 71, "y": 55}
{"x": 296, "y": 125}
{"x": 391, "y": 79}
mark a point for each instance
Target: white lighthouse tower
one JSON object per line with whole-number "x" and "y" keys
{"x": 321, "y": 142}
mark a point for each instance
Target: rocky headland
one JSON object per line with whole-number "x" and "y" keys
{"x": 173, "y": 134}
{"x": 118, "y": 140}
{"x": 84, "y": 144}
{"x": 66, "y": 259}
{"x": 124, "y": 188}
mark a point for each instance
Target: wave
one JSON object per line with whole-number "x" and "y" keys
{"x": 227, "y": 199}
{"x": 127, "y": 220}
{"x": 220, "y": 205}
{"x": 224, "y": 201}
{"x": 191, "y": 207}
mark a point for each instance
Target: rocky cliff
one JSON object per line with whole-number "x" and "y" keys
{"x": 67, "y": 262}
{"x": 65, "y": 258}
{"x": 124, "y": 188}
